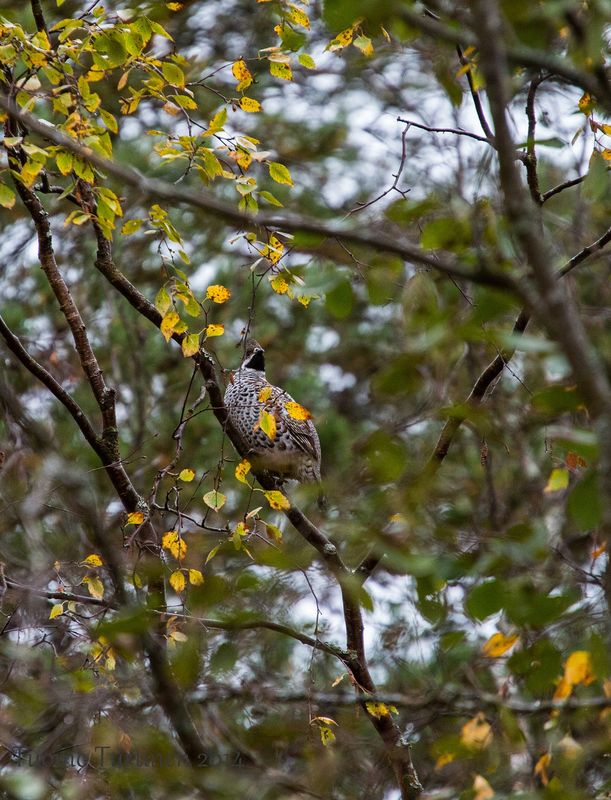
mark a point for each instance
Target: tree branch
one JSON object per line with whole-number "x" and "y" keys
{"x": 160, "y": 190}
{"x": 520, "y": 55}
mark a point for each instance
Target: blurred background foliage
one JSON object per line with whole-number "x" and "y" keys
{"x": 383, "y": 354}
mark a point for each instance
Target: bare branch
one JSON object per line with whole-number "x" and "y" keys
{"x": 456, "y": 131}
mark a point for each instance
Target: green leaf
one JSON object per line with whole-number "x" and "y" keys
{"x": 485, "y": 599}
{"x": 269, "y": 197}
{"x": 339, "y": 300}
{"x": 7, "y": 196}
{"x": 215, "y": 500}
{"x": 585, "y": 503}
{"x": 306, "y": 61}
{"x": 279, "y": 173}
{"x": 173, "y": 74}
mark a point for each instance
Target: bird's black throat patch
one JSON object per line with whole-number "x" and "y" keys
{"x": 257, "y": 361}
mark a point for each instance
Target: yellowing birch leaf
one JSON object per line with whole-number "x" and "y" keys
{"x": 265, "y": 394}
{"x": 477, "y": 733}
{"x": 279, "y": 285}
{"x": 242, "y": 470}
{"x": 267, "y": 423}
{"x": 218, "y": 294}
{"x": 541, "y": 768}
{"x": 297, "y": 411}
{"x": 378, "y": 710}
{"x": 298, "y": 17}
{"x": 306, "y": 61}
{"x": 190, "y": 345}
{"x": 343, "y": 39}
{"x": 177, "y": 581}
{"x": 564, "y": 689}
{"x": 135, "y": 518}
{"x": 195, "y": 577}
{"x": 216, "y": 123}
{"x": 558, "y": 480}
{"x": 498, "y": 644}
{"x": 168, "y": 539}
{"x": 215, "y": 330}
{"x": 168, "y": 323}
{"x": 280, "y": 69}
{"x": 327, "y": 737}
{"x": 579, "y": 669}
{"x": 275, "y": 250}
{"x": 482, "y": 789}
{"x": 242, "y": 75}
{"x": 279, "y": 173}
{"x": 277, "y": 500}
{"x": 92, "y": 561}
{"x": 95, "y": 587}
{"x": 215, "y": 500}
{"x": 364, "y": 45}
{"x": 586, "y": 104}
{"x": 250, "y": 105}
{"x": 186, "y": 475}
{"x": 56, "y": 611}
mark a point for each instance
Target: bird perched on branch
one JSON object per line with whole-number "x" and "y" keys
{"x": 277, "y": 433}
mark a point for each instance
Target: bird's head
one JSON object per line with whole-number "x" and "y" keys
{"x": 254, "y": 357}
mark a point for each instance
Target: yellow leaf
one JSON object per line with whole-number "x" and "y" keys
{"x": 378, "y": 710}
{"x": 342, "y": 39}
{"x": 275, "y": 250}
{"x": 195, "y": 577}
{"x": 168, "y": 323}
{"x": 444, "y": 758}
{"x": 364, "y": 45}
{"x": 606, "y": 154}
{"x": 110, "y": 662}
{"x": 56, "y": 611}
{"x": 277, "y": 500}
{"x": 563, "y": 690}
{"x": 541, "y": 768}
{"x": 242, "y": 75}
{"x": 280, "y": 69}
{"x": 297, "y": 411}
{"x": 171, "y": 541}
{"x": 477, "y": 733}
{"x": 135, "y": 518}
{"x": 279, "y": 285}
{"x": 482, "y": 789}
{"x": 190, "y": 345}
{"x": 218, "y": 294}
{"x": 177, "y": 581}
{"x": 598, "y": 551}
{"x": 279, "y": 173}
{"x": 586, "y": 104}
{"x": 95, "y": 587}
{"x": 327, "y": 736}
{"x": 265, "y": 394}
{"x": 579, "y": 669}
{"x": 267, "y": 423}
{"x": 168, "y": 539}
{"x": 186, "y": 475}
{"x": 215, "y": 330}
{"x": 498, "y": 644}
{"x": 242, "y": 470}
{"x": 216, "y": 123}
{"x": 297, "y": 16}
{"x": 250, "y": 105}
{"x": 558, "y": 480}
{"x": 93, "y": 561}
